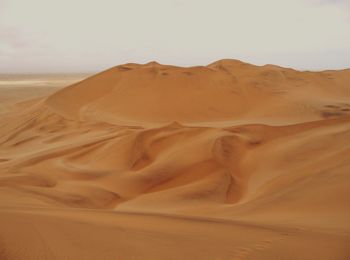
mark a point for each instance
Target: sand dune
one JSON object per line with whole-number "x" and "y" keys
{"x": 226, "y": 90}
{"x": 225, "y": 161}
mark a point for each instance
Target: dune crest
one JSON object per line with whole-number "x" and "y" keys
{"x": 228, "y": 160}
{"x": 225, "y": 91}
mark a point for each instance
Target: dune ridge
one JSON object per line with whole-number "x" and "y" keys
{"x": 224, "y": 91}
{"x": 226, "y": 161}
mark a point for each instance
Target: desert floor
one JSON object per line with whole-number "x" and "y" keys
{"x": 225, "y": 161}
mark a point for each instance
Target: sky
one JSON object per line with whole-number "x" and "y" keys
{"x": 91, "y": 35}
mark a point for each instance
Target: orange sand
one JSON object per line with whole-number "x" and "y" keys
{"x": 225, "y": 161}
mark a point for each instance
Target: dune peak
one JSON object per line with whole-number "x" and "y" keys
{"x": 225, "y": 90}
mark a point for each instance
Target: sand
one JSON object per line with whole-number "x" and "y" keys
{"x": 151, "y": 161}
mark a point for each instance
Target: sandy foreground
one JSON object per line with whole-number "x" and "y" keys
{"x": 225, "y": 161}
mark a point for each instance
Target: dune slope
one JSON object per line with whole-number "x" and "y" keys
{"x": 225, "y": 161}
{"x": 225, "y": 91}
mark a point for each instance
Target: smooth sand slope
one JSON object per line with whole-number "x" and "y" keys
{"x": 225, "y": 161}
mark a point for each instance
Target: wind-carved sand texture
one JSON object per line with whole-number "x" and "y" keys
{"x": 225, "y": 161}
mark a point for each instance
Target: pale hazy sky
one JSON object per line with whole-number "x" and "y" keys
{"x": 91, "y": 35}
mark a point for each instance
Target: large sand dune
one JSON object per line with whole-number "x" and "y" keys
{"x": 225, "y": 161}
